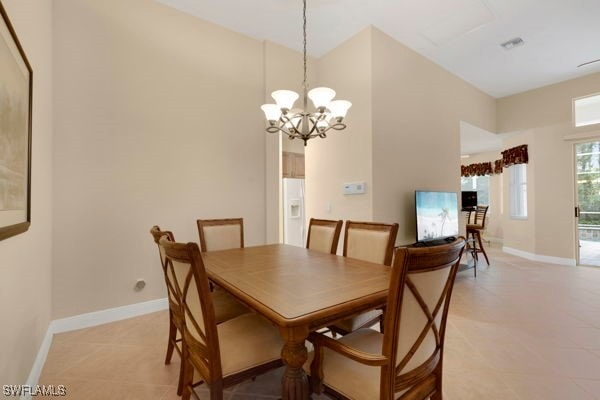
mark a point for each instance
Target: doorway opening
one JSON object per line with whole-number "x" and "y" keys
{"x": 292, "y": 184}
{"x": 587, "y": 199}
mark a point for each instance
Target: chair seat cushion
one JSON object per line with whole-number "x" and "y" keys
{"x": 350, "y": 378}
{"x": 358, "y": 321}
{"x": 248, "y": 341}
{"x": 226, "y": 306}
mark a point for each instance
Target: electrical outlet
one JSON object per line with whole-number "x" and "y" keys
{"x": 139, "y": 285}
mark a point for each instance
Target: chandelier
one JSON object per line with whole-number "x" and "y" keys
{"x": 302, "y": 123}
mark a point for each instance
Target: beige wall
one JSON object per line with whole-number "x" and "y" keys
{"x": 417, "y": 109}
{"x": 25, "y": 298}
{"x": 520, "y": 234}
{"x": 344, "y": 156}
{"x": 157, "y": 122}
{"x": 542, "y": 118}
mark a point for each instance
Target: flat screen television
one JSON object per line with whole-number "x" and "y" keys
{"x": 468, "y": 200}
{"x": 437, "y": 215}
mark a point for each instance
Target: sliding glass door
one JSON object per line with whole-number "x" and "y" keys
{"x": 587, "y": 194}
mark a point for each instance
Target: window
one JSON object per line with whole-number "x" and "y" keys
{"x": 587, "y": 110}
{"x": 479, "y": 183}
{"x": 518, "y": 190}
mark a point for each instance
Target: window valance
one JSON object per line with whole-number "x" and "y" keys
{"x": 512, "y": 156}
{"x": 516, "y": 155}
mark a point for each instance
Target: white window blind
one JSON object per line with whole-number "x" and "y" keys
{"x": 518, "y": 190}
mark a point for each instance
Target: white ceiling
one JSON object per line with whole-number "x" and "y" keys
{"x": 462, "y": 36}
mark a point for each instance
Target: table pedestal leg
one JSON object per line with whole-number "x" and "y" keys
{"x": 294, "y": 355}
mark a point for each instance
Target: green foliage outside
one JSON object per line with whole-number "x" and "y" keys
{"x": 588, "y": 177}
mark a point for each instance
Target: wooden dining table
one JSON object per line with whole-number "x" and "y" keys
{"x": 299, "y": 291}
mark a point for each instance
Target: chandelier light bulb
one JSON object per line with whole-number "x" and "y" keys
{"x": 321, "y": 96}
{"x": 285, "y": 99}
{"x": 272, "y": 111}
{"x": 339, "y": 108}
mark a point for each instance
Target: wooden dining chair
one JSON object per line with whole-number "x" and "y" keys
{"x": 226, "y": 307}
{"x": 324, "y": 235}
{"x": 368, "y": 241}
{"x": 221, "y": 234}
{"x": 474, "y": 230}
{"x": 404, "y": 362}
{"x": 221, "y": 355}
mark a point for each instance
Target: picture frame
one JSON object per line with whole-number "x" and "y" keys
{"x": 16, "y": 77}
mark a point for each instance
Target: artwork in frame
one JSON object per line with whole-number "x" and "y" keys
{"x": 15, "y": 132}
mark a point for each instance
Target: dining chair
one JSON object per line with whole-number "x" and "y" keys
{"x": 475, "y": 229}
{"x": 368, "y": 241}
{"x": 404, "y": 362}
{"x": 221, "y": 234}
{"x": 324, "y": 235}
{"x": 226, "y": 307}
{"x": 222, "y": 355}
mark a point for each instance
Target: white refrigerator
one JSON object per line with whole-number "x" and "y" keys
{"x": 294, "y": 220}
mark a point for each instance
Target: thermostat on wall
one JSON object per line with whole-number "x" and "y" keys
{"x": 354, "y": 188}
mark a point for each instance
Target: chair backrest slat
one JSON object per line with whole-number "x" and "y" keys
{"x": 174, "y": 305}
{"x": 370, "y": 241}
{"x": 416, "y": 313}
{"x": 323, "y": 235}
{"x": 221, "y": 234}
{"x": 480, "y": 215}
{"x": 199, "y": 324}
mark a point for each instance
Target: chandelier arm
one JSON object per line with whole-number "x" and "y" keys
{"x": 338, "y": 126}
{"x": 290, "y": 134}
{"x": 285, "y": 119}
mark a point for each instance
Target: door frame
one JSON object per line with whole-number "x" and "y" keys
{"x": 576, "y": 202}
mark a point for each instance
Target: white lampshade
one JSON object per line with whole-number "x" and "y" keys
{"x": 272, "y": 111}
{"x": 285, "y": 98}
{"x": 321, "y": 96}
{"x": 339, "y": 108}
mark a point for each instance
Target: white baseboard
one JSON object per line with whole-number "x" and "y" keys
{"x": 40, "y": 360}
{"x": 538, "y": 257}
{"x": 110, "y": 315}
{"x": 85, "y": 321}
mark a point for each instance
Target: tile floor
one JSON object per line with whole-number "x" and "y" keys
{"x": 520, "y": 330}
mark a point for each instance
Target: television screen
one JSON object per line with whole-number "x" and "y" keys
{"x": 469, "y": 200}
{"x": 437, "y": 215}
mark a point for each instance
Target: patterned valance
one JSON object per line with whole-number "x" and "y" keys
{"x": 498, "y": 166}
{"x": 516, "y": 155}
{"x": 479, "y": 169}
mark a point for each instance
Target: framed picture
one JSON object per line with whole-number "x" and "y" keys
{"x": 15, "y": 133}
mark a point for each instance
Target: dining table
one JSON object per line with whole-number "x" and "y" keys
{"x": 299, "y": 291}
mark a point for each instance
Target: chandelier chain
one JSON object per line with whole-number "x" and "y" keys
{"x": 304, "y": 36}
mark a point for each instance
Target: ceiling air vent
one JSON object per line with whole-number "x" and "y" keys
{"x": 512, "y": 43}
